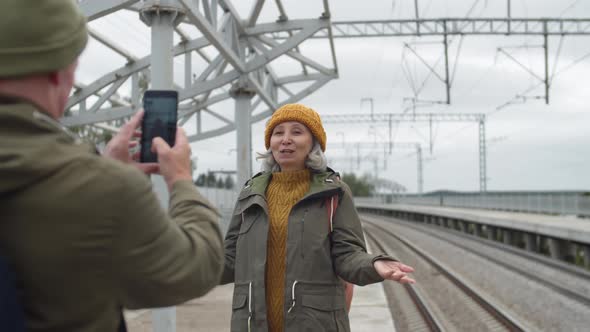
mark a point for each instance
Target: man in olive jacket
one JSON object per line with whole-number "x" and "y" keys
{"x": 84, "y": 234}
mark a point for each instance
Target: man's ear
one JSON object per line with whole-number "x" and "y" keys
{"x": 54, "y": 77}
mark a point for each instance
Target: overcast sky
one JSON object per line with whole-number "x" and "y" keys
{"x": 531, "y": 146}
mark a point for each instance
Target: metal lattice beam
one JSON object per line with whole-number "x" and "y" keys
{"x": 406, "y": 117}
{"x": 208, "y": 85}
{"x": 422, "y": 117}
{"x": 212, "y": 35}
{"x": 391, "y": 145}
{"x": 373, "y": 145}
{"x": 317, "y": 83}
{"x": 457, "y": 26}
{"x": 445, "y": 27}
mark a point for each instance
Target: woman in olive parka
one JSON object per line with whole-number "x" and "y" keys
{"x": 290, "y": 244}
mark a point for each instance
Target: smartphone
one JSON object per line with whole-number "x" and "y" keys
{"x": 159, "y": 120}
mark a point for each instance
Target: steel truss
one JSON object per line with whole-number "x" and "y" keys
{"x": 459, "y": 26}
{"x": 379, "y": 183}
{"x": 240, "y": 45}
{"x": 445, "y": 27}
{"x": 389, "y": 146}
{"x": 389, "y": 118}
{"x": 242, "y": 69}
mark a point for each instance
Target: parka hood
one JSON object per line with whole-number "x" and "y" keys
{"x": 320, "y": 181}
{"x": 31, "y": 143}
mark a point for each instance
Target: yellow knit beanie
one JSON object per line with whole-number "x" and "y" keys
{"x": 300, "y": 113}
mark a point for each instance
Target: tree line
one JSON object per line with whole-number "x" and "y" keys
{"x": 211, "y": 180}
{"x": 361, "y": 186}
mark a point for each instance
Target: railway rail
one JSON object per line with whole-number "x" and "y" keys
{"x": 419, "y": 313}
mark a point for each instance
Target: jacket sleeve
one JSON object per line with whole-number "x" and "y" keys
{"x": 349, "y": 251}
{"x": 231, "y": 237}
{"x": 164, "y": 259}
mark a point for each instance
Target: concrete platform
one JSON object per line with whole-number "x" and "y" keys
{"x": 369, "y": 310}
{"x": 212, "y": 312}
{"x": 564, "y": 227}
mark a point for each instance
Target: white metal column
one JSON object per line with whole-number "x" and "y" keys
{"x": 420, "y": 169}
{"x": 483, "y": 178}
{"x": 243, "y": 96}
{"x": 162, "y": 19}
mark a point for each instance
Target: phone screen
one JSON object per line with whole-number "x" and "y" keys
{"x": 159, "y": 120}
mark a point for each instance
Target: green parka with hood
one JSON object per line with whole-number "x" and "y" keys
{"x": 316, "y": 257}
{"x": 86, "y": 235}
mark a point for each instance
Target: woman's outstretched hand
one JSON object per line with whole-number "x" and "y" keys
{"x": 391, "y": 270}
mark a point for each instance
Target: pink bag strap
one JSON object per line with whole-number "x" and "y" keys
{"x": 331, "y": 206}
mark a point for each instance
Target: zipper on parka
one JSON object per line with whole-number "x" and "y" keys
{"x": 249, "y": 306}
{"x": 302, "y": 237}
{"x": 292, "y": 296}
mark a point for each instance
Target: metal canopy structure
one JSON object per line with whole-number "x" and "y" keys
{"x": 241, "y": 54}
{"x": 241, "y": 70}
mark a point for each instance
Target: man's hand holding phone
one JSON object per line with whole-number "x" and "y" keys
{"x": 174, "y": 162}
{"x": 118, "y": 147}
{"x": 164, "y": 147}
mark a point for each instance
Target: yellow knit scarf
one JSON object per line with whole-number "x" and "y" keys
{"x": 284, "y": 190}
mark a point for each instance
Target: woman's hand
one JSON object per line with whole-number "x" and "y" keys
{"x": 391, "y": 270}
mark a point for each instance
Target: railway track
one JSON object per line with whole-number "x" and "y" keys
{"x": 568, "y": 290}
{"x": 417, "y": 315}
{"x": 421, "y": 314}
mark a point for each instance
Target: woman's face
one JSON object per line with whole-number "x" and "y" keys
{"x": 290, "y": 144}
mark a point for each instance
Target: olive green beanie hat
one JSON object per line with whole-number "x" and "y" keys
{"x": 39, "y": 36}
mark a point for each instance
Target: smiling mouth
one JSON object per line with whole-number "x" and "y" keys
{"x": 286, "y": 151}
